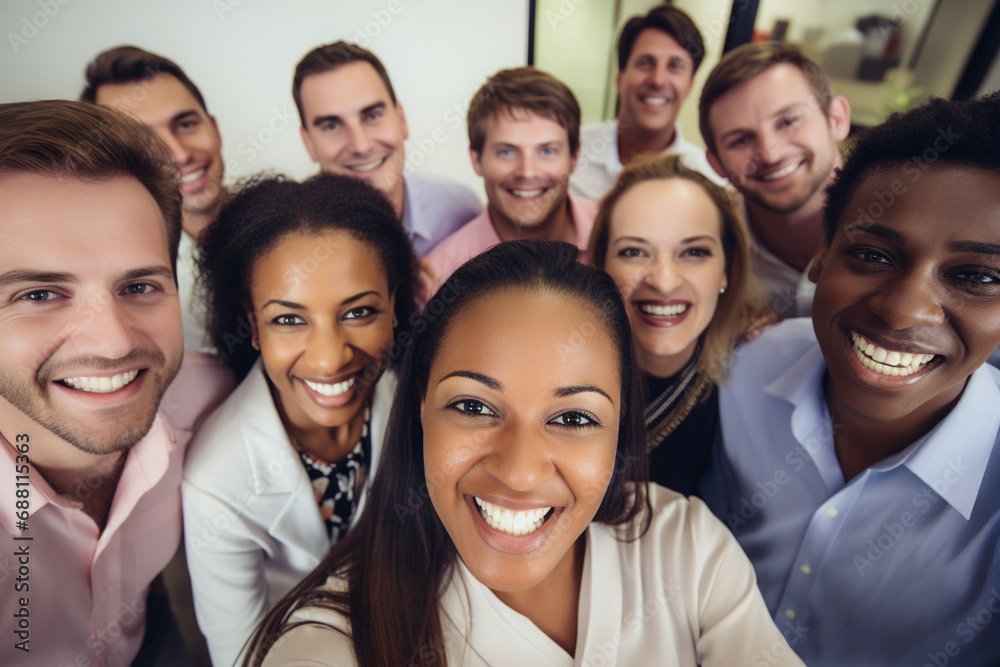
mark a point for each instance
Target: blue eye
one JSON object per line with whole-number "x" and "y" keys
{"x": 575, "y": 419}
{"x": 40, "y": 295}
{"x": 697, "y": 252}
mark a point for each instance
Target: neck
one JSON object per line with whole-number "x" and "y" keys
{"x": 398, "y": 198}
{"x": 860, "y": 442}
{"x": 634, "y": 142}
{"x": 792, "y": 237}
{"x": 553, "y": 604}
{"x": 557, "y": 227}
{"x": 664, "y": 366}
{"x": 194, "y": 223}
{"x": 330, "y": 444}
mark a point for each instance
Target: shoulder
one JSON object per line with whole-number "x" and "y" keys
{"x": 465, "y": 242}
{"x": 438, "y": 185}
{"x": 320, "y": 636}
{"x": 201, "y": 384}
{"x": 773, "y": 351}
{"x": 594, "y": 132}
{"x": 245, "y": 418}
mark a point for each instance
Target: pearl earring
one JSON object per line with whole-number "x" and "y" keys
{"x": 722, "y": 290}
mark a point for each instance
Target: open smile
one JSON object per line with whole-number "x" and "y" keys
{"x": 100, "y": 384}
{"x": 368, "y": 166}
{"x": 513, "y": 530}
{"x": 333, "y": 392}
{"x": 663, "y": 313}
{"x": 524, "y": 193}
{"x": 888, "y": 362}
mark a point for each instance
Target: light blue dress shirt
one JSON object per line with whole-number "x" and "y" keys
{"x": 433, "y": 208}
{"x": 901, "y": 566}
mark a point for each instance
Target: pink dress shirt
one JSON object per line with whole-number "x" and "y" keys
{"x": 86, "y": 590}
{"x": 478, "y": 235}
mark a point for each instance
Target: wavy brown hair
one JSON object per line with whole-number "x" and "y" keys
{"x": 399, "y": 555}
{"x": 741, "y": 301}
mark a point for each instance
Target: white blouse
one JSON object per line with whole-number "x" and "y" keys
{"x": 682, "y": 594}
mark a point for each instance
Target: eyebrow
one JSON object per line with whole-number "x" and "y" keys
{"x": 875, "y": 230}
{"x": 559, "y": 393}
{"x": 319, "y": 120}
{"x": 184, "y": 114}
{"x": 48, "y": 277}
{"x": 690, "y": 239}
{"x": 478, "y": 377}
{"x": 976, "y": 247}
{"x": 581, "y": 388}
{"x": 298, "y": 306}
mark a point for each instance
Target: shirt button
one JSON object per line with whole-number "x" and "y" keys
{"x": 805, "y": 568}
{"x": 790, "y": 613}
{"x": 832, "y": 511}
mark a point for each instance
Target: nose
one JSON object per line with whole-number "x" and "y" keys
{"x": 520, "y": 458}
{"x": 104, "y": 328}
{"x": 182, "y": 155}
{"x": 659, "y": 76}
{"x": 527, "y": 165}
{"x": 662, "y": 275}
{"x": 360, "y": 142}
{"x": 912, "y": 299}
{"x": 767, "y": 149}
{"x": 327, "y": 350}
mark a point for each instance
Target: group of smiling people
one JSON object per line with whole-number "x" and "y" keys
{"x": 481, "y": 468}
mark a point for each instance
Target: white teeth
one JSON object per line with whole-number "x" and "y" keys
{"x": 368, "y": 167}
{"x": 335, "y": 389}
{"x": 528, "y": 193}
{"x": 101, "y": 385}
{"x": 193, "y": 176}
{"x": 514, "y": 523}
{"x": 655, "y": 101}
{"x": 887, "y": 362}
{"x": 664, "y": 311}
{"x": 781, "y": 172}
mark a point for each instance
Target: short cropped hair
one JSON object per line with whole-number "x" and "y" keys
{"x": 91, "y": 143}
{"x": 330, "y": 57}
{"x": 668, "y": 19}
{"x": 747, "y": 61}
{"x": 741, "y": 298}
{"x": 528, "y": 89}
{"x": 938, "y": 131}
{"x": 129, "y": 64}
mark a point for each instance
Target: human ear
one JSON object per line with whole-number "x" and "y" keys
{"x": 816, "y": 268}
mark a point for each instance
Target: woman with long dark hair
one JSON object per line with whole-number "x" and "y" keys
{"x": 509, "y": 522}
{"x": 307, "y": 286}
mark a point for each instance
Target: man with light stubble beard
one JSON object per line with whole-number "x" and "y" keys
{"x": 772, "y": 126}
{"x": 524, "y": 140}
{"x": 158, "y": 92}
{"x": 91, "y": 438}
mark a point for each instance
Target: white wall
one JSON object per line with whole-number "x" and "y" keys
{"x": 242, "y": 53}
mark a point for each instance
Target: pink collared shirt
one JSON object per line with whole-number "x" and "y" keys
{"x": 478, "y": 235}
{"x": 85, "y": 590}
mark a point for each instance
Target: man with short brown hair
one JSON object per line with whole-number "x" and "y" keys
{"x": 524, "y": 127}
{"x": 91, "y": 439}
{"x": 772, "y": 126}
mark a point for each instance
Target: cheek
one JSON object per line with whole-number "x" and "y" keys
{"x": 590, "y": 476}
{"x": 279, "y": 354}
{"x": 627, "y": 278}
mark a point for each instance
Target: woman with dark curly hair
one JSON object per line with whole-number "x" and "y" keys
{"x": 307, "y": 285}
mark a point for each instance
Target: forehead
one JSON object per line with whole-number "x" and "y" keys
{"x": 941, "y": 203}
{"x": 89, "y": 228}
{"x": 658, "y": 44}
{"x": 328, "y": 265}
{"x": 760, "y": 97}
{"x": 155, "y": 101}
{"x": 525, "y": 127}
{"x": 536, "y": 338}
{"x": 666, "y": 209}
{"x": 348, "y": 88}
